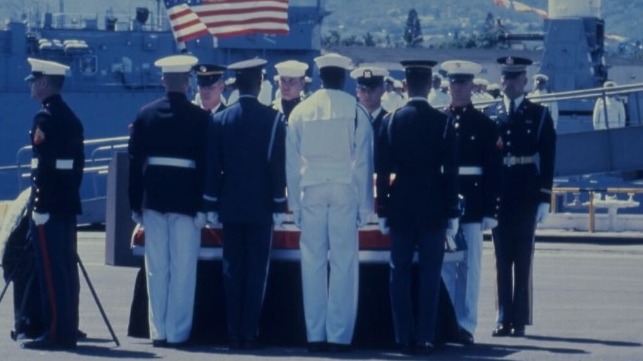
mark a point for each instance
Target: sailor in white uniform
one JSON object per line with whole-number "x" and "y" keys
{"x": 540, "y": 88}
{"x": 438, "y": 98}
{"x": 329, "y": 170}
{"x": 291, "y": 82}
{"x": 615, "y": 111}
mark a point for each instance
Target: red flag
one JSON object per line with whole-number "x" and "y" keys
{"x": 225, "y": 18}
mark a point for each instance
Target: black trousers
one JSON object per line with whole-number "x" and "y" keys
{"x": 246, "y": 251}
{"x": 513, "y": 242}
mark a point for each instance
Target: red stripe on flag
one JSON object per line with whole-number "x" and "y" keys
{"x": 237, "y": 11}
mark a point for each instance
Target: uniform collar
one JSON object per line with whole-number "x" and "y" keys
{"x": 419, "y": 99}
{"x": 517, "y": 101}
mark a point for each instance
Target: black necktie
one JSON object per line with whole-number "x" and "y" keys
{"x": 512, "y": 107}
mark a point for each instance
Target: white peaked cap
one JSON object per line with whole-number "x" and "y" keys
{"x": 46, "y": 67}
{"x": 333, "y": 59}
{"x": 368, "y": 72}
{"x": 291, "y": 69}
{"x": 461, "y": 67}
{"x": 176, "y": 63}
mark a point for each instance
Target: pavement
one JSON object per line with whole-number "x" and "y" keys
{"x": 588, "y": 305}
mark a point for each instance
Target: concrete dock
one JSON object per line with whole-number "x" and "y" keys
{"x": 588, "y": 305}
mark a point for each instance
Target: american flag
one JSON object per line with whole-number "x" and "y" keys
{"x": 191, "y": 19}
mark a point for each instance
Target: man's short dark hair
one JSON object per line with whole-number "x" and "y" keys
{"x": 332, "y": 77}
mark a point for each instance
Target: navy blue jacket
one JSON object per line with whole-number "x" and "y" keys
{"x": 246, "y": 167}
{"x": 478, "y": 146}
{"x": 419, "y": 146}
{"x": 58, "y": 158}
{"x": 529, "y": 132}
{"x": 170, "y": 127}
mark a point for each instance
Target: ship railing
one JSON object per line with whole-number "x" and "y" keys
{"x": 597, "y": 198}
{"x": 100, "y": 154}
{"x": 574, "y": 94}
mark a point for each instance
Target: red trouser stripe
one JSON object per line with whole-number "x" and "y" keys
{"x": 49, "y": 281}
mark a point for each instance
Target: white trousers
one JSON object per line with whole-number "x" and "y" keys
{"x": 329, "y": 234}
{"x": 462, "y": 279}
{"x": 171, "y": 253}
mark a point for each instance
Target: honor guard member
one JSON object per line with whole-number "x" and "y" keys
{"x": 540, "y": 88}
{"x": 420, "y": 205}
{"x": 479, "y": 163}
{"x": 611, "y": 107}
{"x": 246, "y": 192}
{"x": 330, "y": 183}
{"x": 56, "y": 174}
{"x": 528, "y": 145}
{"x": 210, "y": 82}
{"x": 167, "y": 154}
{"x": 292, "y": 75}
{"x": 370, "y": 88}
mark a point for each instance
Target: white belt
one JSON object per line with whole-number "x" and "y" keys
{"x": 513, "y": 160}
{"x": 62, "y": 164}
{"x": 470, "y": 170}
{"x": 65, "y": 164}
{"x": 171, "y": 162}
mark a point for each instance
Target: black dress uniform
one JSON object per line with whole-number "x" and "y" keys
{"x": 57, "y": 170}
{"x": 528, "y": 142}
{"x": 245, "y": 184}
{"x": 479, "y": 162}
{"x": 419, "y": 146}
{"x": 167, "y": 161}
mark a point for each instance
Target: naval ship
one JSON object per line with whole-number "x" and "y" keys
{"x": 112, "y": 75}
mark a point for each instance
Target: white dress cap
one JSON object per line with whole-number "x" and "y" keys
{"x": 368, "y": 72}
{"x": 541, "y": 76}
{"x": 176, "y": 63}
{"x": 333, "y": 59}
{"x": 291, "y": 69}
{"x": 461, "y": 67}
{"x": 46, "y": 67}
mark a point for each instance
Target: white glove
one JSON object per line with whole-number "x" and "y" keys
{"x": 137, "y": 218}
{"x": 542, "y": 212}
{"x": 40, "y": 218}
{"x": 489, "y": 223}
{"x": 362, "y": 219}
{"x": 296, "y": 218}
{"x": 384, "y": 228}
{"x": 212, "y": 218}
{"x": 199, "y": 220}
{"x": 452, "y": 227}
{"x": 278, "y": 219}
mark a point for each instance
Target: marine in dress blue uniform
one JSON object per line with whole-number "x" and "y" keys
{"x": 167, "y": 156}
{"x": 245, "y": 191}
{"x": 209, "y": 79}
{"x": 57, "y": 170}
{"x": 330, "y": 183}
{"x": 528, "y": 146}
{"x": 291, "y": 77}
{"x": 369, "y": 90}
{"x": 479, "y": 161}
{"x": 420, "y": 205}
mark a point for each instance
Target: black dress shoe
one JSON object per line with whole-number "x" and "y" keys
{"x": 339, "y": 347}
{"x": 518, "y": 331}
{"x": 80, "y": 335}
{"x": 424, "y": 348}
{"x": 160, "y": 343}
{"x": 464, "y": 337}
{"x": 501, "y": 331}
{"x": 316, "y": 347}
{"x": 44, "y": 343}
